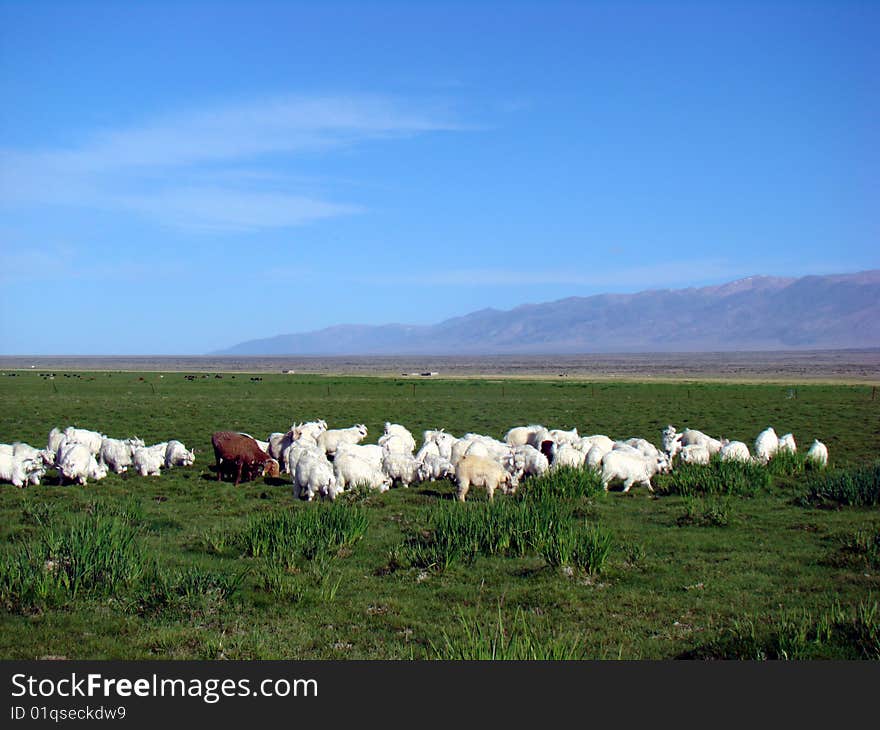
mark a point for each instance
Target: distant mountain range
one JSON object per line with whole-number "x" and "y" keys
{"x": 757, "y": 313}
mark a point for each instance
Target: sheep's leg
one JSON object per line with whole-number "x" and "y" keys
{"x": 627, "y": 484}
{"x": 240, "y": 464}
{"x": 463, "y": 487}
{"x": 647, "y": 483}
{"x": 219, "y": 472}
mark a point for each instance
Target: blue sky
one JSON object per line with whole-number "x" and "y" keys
{"x": 179, "y": 177}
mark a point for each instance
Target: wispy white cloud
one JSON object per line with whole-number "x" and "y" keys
{"x": 129, "y": 169}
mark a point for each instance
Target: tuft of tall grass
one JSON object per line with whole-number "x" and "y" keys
{"x": 91, "y": 555}
{"x": 190, "y": 590}
{"x": 710, "y": 511}
{"x": 306, "y": 532}
{"x": 583, "y": 547}
{"x": 839, "y": 632}
{"x": 862, "y": 548}
{"x": 495, "y": 641}
{"x": 733, "y": 478}
{"x": 457, "y": 533}
{"x": 564, "y": 483}
{"x": 787, "y": 464}
{"x": 857, "y": 487}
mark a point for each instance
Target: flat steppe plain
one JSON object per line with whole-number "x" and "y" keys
{"x": 195, "y": 575}
{"x": 794, "y": 366}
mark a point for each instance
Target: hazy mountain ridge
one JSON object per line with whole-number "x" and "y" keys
{"x": 755, "y": 313}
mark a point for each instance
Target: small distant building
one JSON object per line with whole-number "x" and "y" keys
{"x": 288, "y": 372}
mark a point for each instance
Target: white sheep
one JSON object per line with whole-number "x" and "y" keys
{"x": 313, "y": 475}
{"x": 480, "y": 472}
{"x": 766, "y": 445}
{"x": 351, "y": 470}
{"x": 568, "y": 455}
{"x": 312, "y": 429}
{"x": 76, "y": 463}
{"x": 402, "y": 433}
{"x": 329, "y": 440}
{"x": 519, "y": 435}
{"x": 176, "y": 454}
{"x": 396, "y": 444}
{"x": 693, "y": 437}
{"x": 695, "y": 454}
{"x": 530, "y": 462}
{"x": 787, "y": 443}
{"x": 559, "y": 437}
{"x": 735, "y": 451}
{"x": 149, "y": 460}
{"x": 630, "y": 467}
{"x": 19, "y": 470}
{"x": 91, "y": 439}
{"x": 597, "y": 453}
{"x": 117, "y": 454}
{"x": 443, "y": 440}
{"x": 433, "y": 467}
{"x": 818, "y": 453}
{"x": 643, "y": 446}
{"x": 373, "y": 453}
{"x": 671, "y": 441}
{"x": 402, "y": 469}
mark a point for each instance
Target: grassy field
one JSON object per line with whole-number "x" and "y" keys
{"x": 184, "y": 567}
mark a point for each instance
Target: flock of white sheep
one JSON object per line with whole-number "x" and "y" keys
{"x": 324, "y": 462}
{"x": 78, "y": 455}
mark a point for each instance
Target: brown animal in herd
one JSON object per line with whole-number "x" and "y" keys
{"x": 240, "y": 455}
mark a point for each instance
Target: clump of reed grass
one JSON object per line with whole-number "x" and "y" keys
{"x": 856, "y": 487}
{"x": 492, "y": 640}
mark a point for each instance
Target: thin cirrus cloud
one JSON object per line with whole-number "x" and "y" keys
{"x": 127, "y": 169}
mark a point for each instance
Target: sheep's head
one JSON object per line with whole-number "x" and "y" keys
{"x": 362, "y": 430}
{"x": 271, "y": 468}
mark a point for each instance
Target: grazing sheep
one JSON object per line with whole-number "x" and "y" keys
{"x": 19, "y": 470}
{"x": 313, "y": 476}
{"x": 671, "y": 441}
{"x": 787, "y": 443}
{"x": 433, "y": 467}
{"x": 278, "y": 443}
{"x": 695, "y": 454}
{"x": 402, "y": 469}
{"x": 351, "y": 470}
{"x": 312, "y": 429}
{"x": 568, "y": 455}
{"x": 241, "y": 455}
{"x": 692, "y": 437}
{"x": 149, "y": 460}
{"x": 329, "y": 440}
{"x": 176, "y": 454}
{"x": 818, "y": 454}
{"x": 530, "y": 462}
{"x": 76, "y": 463}
{"x": 630, "y": 468}
{"x": 766, "y": 445}
{"x": 396, "y": 444}
{"x": 560, "y": 437}
{"x": 519, "y": 435}
{"x": 406, "y": 440}
{"x": 117, "y": 454}
{"x": 735, "y": 451}
{"x": 443, "y": 440}
{"x": 481, "y": 472}
{"x": 91, "y": 439}
{"x": 372, "y": 453}
{"x": 643, "y": 446}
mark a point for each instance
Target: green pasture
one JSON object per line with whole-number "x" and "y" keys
{"x": 774, "y": 564}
